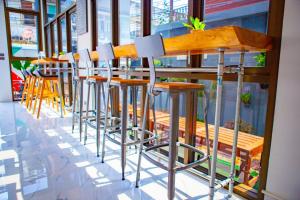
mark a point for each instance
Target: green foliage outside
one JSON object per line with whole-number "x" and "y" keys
{"x": 246, "y": 98}
{"x": 196, "y": 24}
{"x": 21, "y": 65}
{"x": 260, "y": 59}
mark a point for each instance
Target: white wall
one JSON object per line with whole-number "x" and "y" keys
{"x": 5, "y": 82}
{"x": 284, "y": 164}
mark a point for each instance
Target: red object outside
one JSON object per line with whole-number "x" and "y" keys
{"x": 16, "y": 82}
{"x": 213, "y": 6}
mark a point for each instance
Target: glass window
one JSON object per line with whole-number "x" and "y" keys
{"x": 23, "y": 4}
{"x": 254, "y": 101}
{"x": 104, "y": 21}
{"x": 73, "y": 32}
{"x": 130, "y": 25}
{"x": 248, "y": 14}
{"x": 49, "y": 51}
{"x": 64, "y": 4}
{"x": 24, "y": 35}
{"x": 167, "y": 18}
{"x": 63, "y": 26}
{"x": 51, "y": 9}
{"x": 55, "y": 40}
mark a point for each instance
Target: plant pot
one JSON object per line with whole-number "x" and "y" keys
{"x": 264, "y": 86}
{"x": 247, "y": 104}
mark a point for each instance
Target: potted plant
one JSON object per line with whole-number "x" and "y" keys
{"x": 246, "y": 98}
{"x": 261, "y": 62}
{"x": 196, "y": 24}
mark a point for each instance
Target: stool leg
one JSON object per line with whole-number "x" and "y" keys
{"x": 61, "y": 99}
{"x": 87, "y": 112}
{"x": 134, "y": 112}
{"x": 41, "y": 98}
{"x": 98, "y": 114}
{"x": 205, "y": 108}
{"x": 25, "y": 90}
{"x": 74, "y": 104}
{"x": 80, "y": 109}
{"x": 138, "y": 171}
{"x": 173, "y": 137}
{"x": 105, "y": 121}
{"x": 123, "y": 129}
{"x": 35, "y": 102}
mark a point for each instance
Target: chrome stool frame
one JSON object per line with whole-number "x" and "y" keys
{"x": 107, "y": 54}
{"x": 97, "y": 83}
{"x": 154, "y": 49}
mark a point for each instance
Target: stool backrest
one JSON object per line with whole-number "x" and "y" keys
{"x": 85, "y": 59}
{"x": 71, "y": 59}
{"x": 151, "y": 47}
{"x": 106, "y": 54}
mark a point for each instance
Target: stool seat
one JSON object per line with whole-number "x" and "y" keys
{"x": 96, "y": 78}
{"x": 130, "y": 81}
{"x": 178, "y": 86}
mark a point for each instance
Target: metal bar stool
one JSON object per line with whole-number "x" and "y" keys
{"x": 92, "y": 117}
{"x": 107, "y": 54}
{"x": 151, "y": 47}
{"x": 77, "y": 83}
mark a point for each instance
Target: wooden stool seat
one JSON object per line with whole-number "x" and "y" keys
{"x": 131, "y": 82}
{"x": 178, "y": 86}
{"x": 96, "y": 78}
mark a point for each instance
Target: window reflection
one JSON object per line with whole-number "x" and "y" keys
{"x": 24, "y": 36}
{"x": 130, "y": 25}
{"x": 64, "y": 4}
{"x": 23, "y": 4}
{"x": 73, "y": 32}
{"x": 51, "y": 9}
{"x": 167, "y": 18}
{"x": 104, "y": 21}
{"x": 247, "y": 14}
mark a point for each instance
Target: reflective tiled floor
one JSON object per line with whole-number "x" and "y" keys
{"x": 42, "y": 159}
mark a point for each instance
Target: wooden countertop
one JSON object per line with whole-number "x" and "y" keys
{"x": 232, "y": 38}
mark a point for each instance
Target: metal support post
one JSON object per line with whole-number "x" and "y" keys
{"x": 217, "y": 122}
{"x": 236, "y": 122}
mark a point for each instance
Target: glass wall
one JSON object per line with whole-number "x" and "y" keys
{"x": 248, "y": 14}
{"x": 167, "y": 18}
{"x": 73, "y": 32}
{"x": 51, "y": 9}
{"x": 64, "y": 43}
{"x": 49, "y": 50}
{"x": 24, "y": 35}
{"x": 23, "y": 4}
{"x": 64, "y": 4}
{"x": 104, "y": 21}
{"x": 55, "y": 40}
{"x": 130, "y": 25}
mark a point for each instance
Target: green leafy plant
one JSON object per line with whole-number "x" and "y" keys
{"x": 62, "y": 53}
{"x": 196, "y": 24}
{"x": 246, "y": 98}
{"x": 21, "y": 65}
{"x": 260, "y": 59}
{"x": 157, "y": 62}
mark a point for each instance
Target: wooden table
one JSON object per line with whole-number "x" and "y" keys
{"x": 248, "y": 145}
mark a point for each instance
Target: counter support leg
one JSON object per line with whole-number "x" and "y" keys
{"x": 217, "y": 123}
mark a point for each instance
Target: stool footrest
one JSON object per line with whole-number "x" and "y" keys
{"x": 177, "y": 168}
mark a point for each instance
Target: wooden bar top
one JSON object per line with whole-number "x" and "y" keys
{"x": 232, "y": 38}
{"x": 44, "y": 61}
